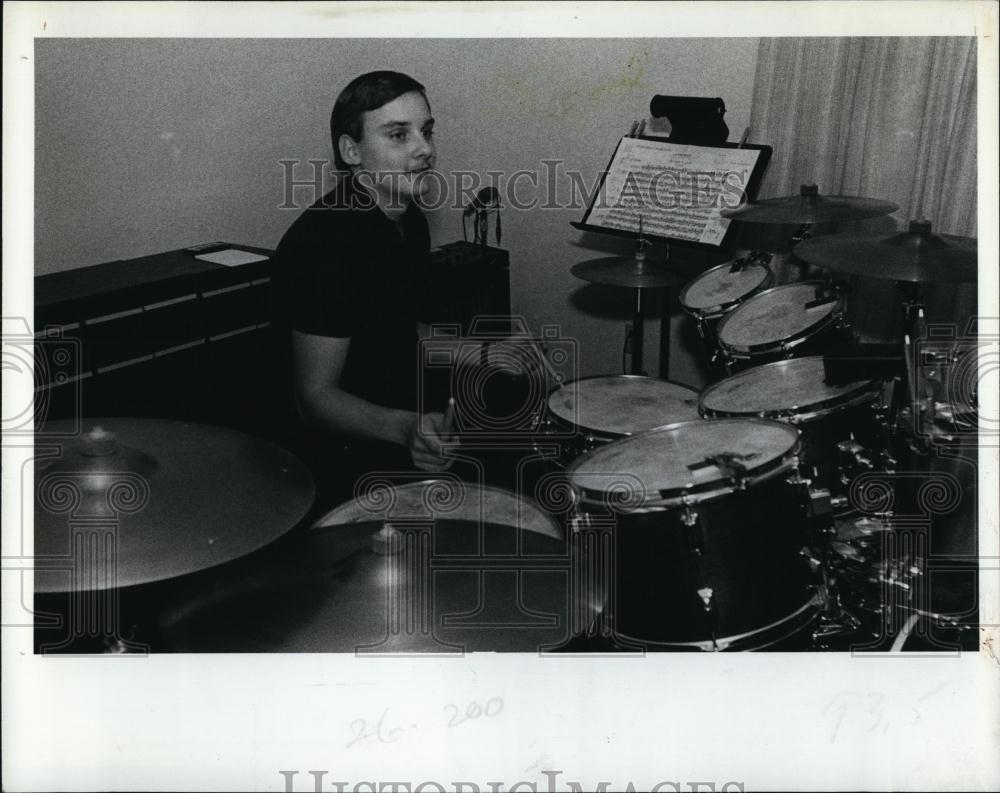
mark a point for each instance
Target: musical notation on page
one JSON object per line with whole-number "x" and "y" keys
{"x": 678, "y": 190}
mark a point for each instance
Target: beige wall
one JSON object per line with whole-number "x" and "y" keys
{"x": 144, "y": 146}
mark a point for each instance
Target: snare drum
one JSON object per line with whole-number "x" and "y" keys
{"x": 787, "y": 321}
{"x": 592, "y": 411}
{"x": 716, "y": 292}
{"x": 842, "y": 426}
{"x": 707, "y": 529}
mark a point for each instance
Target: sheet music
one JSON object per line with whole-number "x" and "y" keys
{"x": 678, "y": 190}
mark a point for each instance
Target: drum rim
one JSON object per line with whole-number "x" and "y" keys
{"x": 796, "y": 621}
{"x": 866, "y": 391}
{"x": 788, "y": 342}
{"x": 721, "y": 308}
{"x": 669, "y": 497}
{"x": 603, "y": 433}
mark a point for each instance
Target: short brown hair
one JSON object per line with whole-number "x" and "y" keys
{"x": 368, "y": 92}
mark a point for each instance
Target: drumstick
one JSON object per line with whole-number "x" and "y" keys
{"x": 449, "y": 419}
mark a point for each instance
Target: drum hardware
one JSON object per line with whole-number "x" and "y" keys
{"x": 693, "y": 534}
{"x": 120, "y": 646}
{"x": 638, "y": 273}
{"x": 803, "y": 232}
{"x": 824, "y": 296}
{"x": 853, "y": 456}
{"x": 834, "y": 618}
{"x": 729, "y": 464}
{"x": 579, "y": 521}
{"x": 757, "y": 258}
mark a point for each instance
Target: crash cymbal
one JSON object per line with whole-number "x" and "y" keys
{"x": 132, "y": 501}
{"x": 446, "y": 586}
{"x": 629, "y": 271}
{"x": 810, "y": 207}
{"x": 916, "y": 255}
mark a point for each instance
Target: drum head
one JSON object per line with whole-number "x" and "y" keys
{"x": 778, "y": 389}
{"x": 718, "y": 287}
{"x": 623, "y": 404}
{"x": 674, "y": 460}
{"x": 775, "y": 315}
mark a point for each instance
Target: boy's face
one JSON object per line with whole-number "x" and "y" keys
{"x": 397, "y": 144}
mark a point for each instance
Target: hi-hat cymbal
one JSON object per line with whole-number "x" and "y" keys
{"x": 916, "y": 255}
{"x": 810, "y": 207}
{"x": 133, "y": 501}
{"x": 627, "y": 271}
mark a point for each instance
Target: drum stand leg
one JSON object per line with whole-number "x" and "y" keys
{"x": 903, "y": 392}
{"x": 637, "y": 334}
{"x": 834, "y": 619}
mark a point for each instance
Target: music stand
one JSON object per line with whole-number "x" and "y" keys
{"x": 673, "y": 193}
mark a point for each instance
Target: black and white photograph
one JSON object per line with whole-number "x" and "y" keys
{"x": 502, "y": 396}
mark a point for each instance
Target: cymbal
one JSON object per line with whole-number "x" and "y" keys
{"x": 448, "y": 498}
{"x": 628, "y": 271}
{"x": 445, "y": 586}
{"x": 915, "y": 255}
{"x": 810, "y": 207}
{"x": 132, "y": 501}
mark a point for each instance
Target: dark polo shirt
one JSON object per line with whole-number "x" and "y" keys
{"x": 345, "y": 270}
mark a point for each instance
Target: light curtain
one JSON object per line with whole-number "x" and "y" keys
{"x": 886, "y": 118}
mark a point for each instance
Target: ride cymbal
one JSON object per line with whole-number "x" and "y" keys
{"x": 810, "y": 207}
{"x": 916, "y": 255}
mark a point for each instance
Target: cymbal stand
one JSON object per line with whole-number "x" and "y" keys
{"x": 913, "y": 329}
{"x": 803, "y": 232}
{"x": 637, "y": 334}
{"x": 638, "y": 315}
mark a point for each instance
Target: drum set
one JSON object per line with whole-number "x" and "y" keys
{"x": 795, "y": 512}
{"x": 795, "y": 503}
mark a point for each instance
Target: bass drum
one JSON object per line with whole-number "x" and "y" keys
{"x": 843, "y": 430}
{"x": 707, "y": 524}
{"x": 790, "y": 321}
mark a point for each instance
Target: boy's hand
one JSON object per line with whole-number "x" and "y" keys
{"x": 428, "y": 437}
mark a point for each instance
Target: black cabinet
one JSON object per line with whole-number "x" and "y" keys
{"x": 166, "y": 336}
